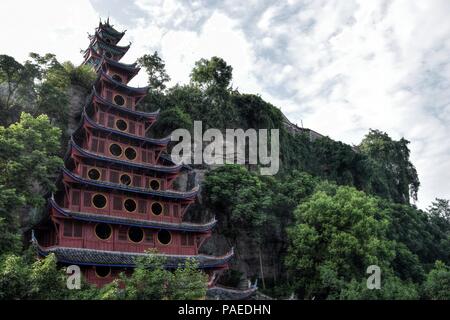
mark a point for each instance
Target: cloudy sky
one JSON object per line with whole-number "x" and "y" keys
{"x": 338, "y": 67}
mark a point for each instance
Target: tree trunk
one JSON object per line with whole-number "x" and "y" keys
{"x": 261, "y": 268}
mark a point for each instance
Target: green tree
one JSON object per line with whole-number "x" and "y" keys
{"x": 170, "y": 120}
{"x": 28, "y": 166}
{"x": 335, "y": 238}
{"x": 151, "y": 281}
{"x": 423, "y": 234}
{"x": 28, "y": 157}
{"x": 14, "y": 276}
{"x": 156, "y": 71}
{"x": 148, "y": 281}
{"x": 188, "y": 283}
{"x": 437, "y": 284}
{"x": 82, "y": 75}
{"x": 213, "y": 73}
{"x": 392, "y": 288}
{"x": 10, "y": 237}
{"x": 46, "y": 280}
{"x": 18, "y": 81}
{"x": 255, "y": 113}
{"x": 40, "y": 279}
{"x": 393, "y": 176}
{"x": 238, "y": 196}
{"x": 440, "y": 208}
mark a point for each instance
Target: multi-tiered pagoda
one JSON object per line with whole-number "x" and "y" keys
{"x": 115, "y": 197}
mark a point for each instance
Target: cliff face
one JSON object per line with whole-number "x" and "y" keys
{"x": 77, "y": 98}
{"x": 250, "y": 260}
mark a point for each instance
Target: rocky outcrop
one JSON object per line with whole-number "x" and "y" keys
{"x": 249, "y": 256}
{"x": 77, "y": 99}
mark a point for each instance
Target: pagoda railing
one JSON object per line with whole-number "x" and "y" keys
{"x": 153, "y": 167}
{"x": 123, "y": 109}
{"x": 162, "y": 142}
{"x": 163, "y": 194}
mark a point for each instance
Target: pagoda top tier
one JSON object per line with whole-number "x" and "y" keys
{"x": 98, "y": 42}
{"x": 108, "y": 32}
{"x": 103, "y": 43}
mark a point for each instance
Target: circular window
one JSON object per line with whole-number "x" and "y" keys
{"x": 135, "y": 234}
{"x": 154, "y": 184}
{"x": 130, "y": 153}
{"x": 102, "y": 272}
{"x": 108, "y": 55}
{"x": 157, "y": 208}
{"x": 125, "y": 179}
{"x": 164, "y": 237}
{"x": 117, "y": 78}
{"x": 121, "y": 125}
{"x": 130, "y": 205}
{"x": 103, "y": 231}
{"x": 99, "y": 201}
{"x": 94, "y": 174}
{"x": 115, "y": 150}
{"x": 119, "y": 100}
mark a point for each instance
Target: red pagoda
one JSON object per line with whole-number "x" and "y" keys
{"x": 115, "y": 197}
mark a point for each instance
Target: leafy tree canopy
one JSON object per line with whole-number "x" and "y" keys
{"x": 214, "y": 72}
{"x": 437, "y": 284}
{"x": 337, "y": 235}
{"x": 395, "y": 177}
{"x": 155, "y": 68}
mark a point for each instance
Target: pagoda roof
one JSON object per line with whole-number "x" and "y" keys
{"x": 226, "y": 293}
{"x": 153, "y": 141}
{"x": 172, "y": 194}
{"x": 93, "y": 52}
{"x": 132, "y": 69}
{"x": 123, "y": 87}
{"x": 108, "y": 28}
{"x": 91, "y": 257}
{"x": 90, "y": 49}
{"x": 95, "y": 96}
{"x": 153, "y": 167}
{"x": 113, "y": 47}
{"x": 148, "y": 224}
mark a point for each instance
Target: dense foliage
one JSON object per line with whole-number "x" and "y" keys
{"x": 333, "y": 234}
{"x": 379, "y": 165}
{"x": 339, "y": 233}
{"x": 28, "y": 164}
{"x": 332, "y": 210}
{"x": 150, "y": 280}
{"x": 40, "y": 86}
{"x": 27, "y": 278}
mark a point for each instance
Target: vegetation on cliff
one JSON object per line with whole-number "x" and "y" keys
{"x": 332, "y": 210}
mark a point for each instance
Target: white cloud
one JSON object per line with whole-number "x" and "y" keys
{"x": 182, "y": 48}
{"x": 54, "y": 26}
{"x": 367, "y": 64}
